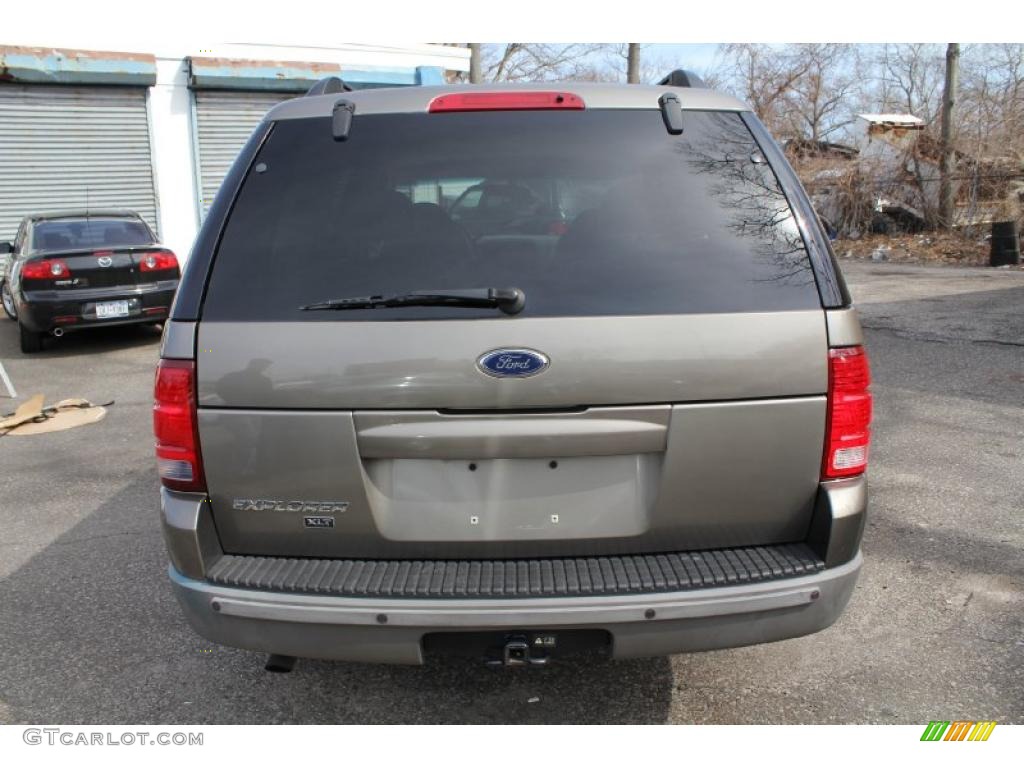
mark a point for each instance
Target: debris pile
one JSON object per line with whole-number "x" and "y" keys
{"x": 922, "y": 248}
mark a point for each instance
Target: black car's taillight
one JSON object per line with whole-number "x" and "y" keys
{"x": 157, "y": 261}
{"x": 45, "y": 269}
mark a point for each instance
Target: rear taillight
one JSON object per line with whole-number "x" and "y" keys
{"x": 157, "y": 261}
{"x": 501, "y": 100}
{"x": 45, "y": 269}
{"x": 175, "y": 426}
{"x": 849, "y": 413}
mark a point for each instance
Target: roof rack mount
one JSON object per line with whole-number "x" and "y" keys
{"x": 331, "y": 84}
{"x": 682, "y": 78}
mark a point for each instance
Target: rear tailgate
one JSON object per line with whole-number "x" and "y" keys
{"x": 435, "y": 459}
{"x": 684, "y": 402}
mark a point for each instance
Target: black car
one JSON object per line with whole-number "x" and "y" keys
{"x": 76, "y": 269}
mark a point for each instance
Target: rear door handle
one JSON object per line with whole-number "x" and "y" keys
{"x": 594, "y": 432}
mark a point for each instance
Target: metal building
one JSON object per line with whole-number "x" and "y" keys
{"x": 74, "y": 133}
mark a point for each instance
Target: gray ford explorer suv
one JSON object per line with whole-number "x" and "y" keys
{"x": 512, "y": 371}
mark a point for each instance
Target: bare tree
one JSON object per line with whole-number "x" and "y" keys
{"x": 991, "y": 115}
{"x": 649, "y": 68}
{"x": 947, "y": 161}
{"x": 990, "y": 131}
{"x": 818, "y": 98}
{"x": 799, "y": 91}
{"x": 475, "y": 75}
{"x": 539, "y": 61}
{"x": 910, "y": 79}
{"x": 764, "y": 76}
{"x": 633, "y": 63}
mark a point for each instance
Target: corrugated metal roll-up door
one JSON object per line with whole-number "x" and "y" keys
{"x": 68, "y": 147}
{"x": 224, "y": 122}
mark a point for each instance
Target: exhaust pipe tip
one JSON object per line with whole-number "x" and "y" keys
{"x": 58, "y": 332}
{"x": 279, "y": 664}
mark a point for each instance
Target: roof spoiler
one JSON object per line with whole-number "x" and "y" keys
{"x": 682, "y": 78}
{"x": 332, "y": 84}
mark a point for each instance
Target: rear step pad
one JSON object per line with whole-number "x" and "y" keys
{"x": 559, "y": 577}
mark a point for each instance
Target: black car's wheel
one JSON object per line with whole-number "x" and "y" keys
{"x": 8, "y": 301}
{"x": 31, "y": 341}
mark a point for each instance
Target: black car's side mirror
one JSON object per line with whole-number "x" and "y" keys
{"x": 5, "y": 248}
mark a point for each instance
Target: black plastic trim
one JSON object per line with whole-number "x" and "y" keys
{"x": 835, "y": 539}
{"x": 192, "y": 289}
{"x": 831, "y": 285}
{"x": 551, "y": 577}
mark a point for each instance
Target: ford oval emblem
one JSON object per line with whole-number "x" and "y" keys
{"x": 512, "y": 363}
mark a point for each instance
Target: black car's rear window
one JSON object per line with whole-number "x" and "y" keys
{"x": 73, "y": 234}
{"x": 598, "y": 212}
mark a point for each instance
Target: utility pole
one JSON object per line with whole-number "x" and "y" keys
{"x": 475, "y": 75}
{"x": 633, "y": 63}
{"x": 947, "y": 163}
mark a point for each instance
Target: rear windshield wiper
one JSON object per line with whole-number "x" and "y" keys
{"x": 509, "y": 300}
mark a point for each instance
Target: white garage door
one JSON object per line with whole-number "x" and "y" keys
{"x": 224, "y": 122}
{"x": 72, "y": 147}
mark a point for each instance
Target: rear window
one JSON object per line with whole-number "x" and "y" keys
{"x": 71, "y": 234}
{"x": 598, "y": 212}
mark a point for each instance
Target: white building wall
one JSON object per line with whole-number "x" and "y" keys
{"x": 170, "y": 115}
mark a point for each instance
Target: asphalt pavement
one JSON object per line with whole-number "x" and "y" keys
{"x": 90, "y": 632}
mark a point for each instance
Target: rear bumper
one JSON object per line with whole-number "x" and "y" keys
{"x": 392, "y": 631}
{"x": 43, "y": 311}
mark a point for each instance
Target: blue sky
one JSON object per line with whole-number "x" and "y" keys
{"x": 695, "y": 56}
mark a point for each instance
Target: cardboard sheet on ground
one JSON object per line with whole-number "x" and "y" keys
{"x": 33, "y": 418}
